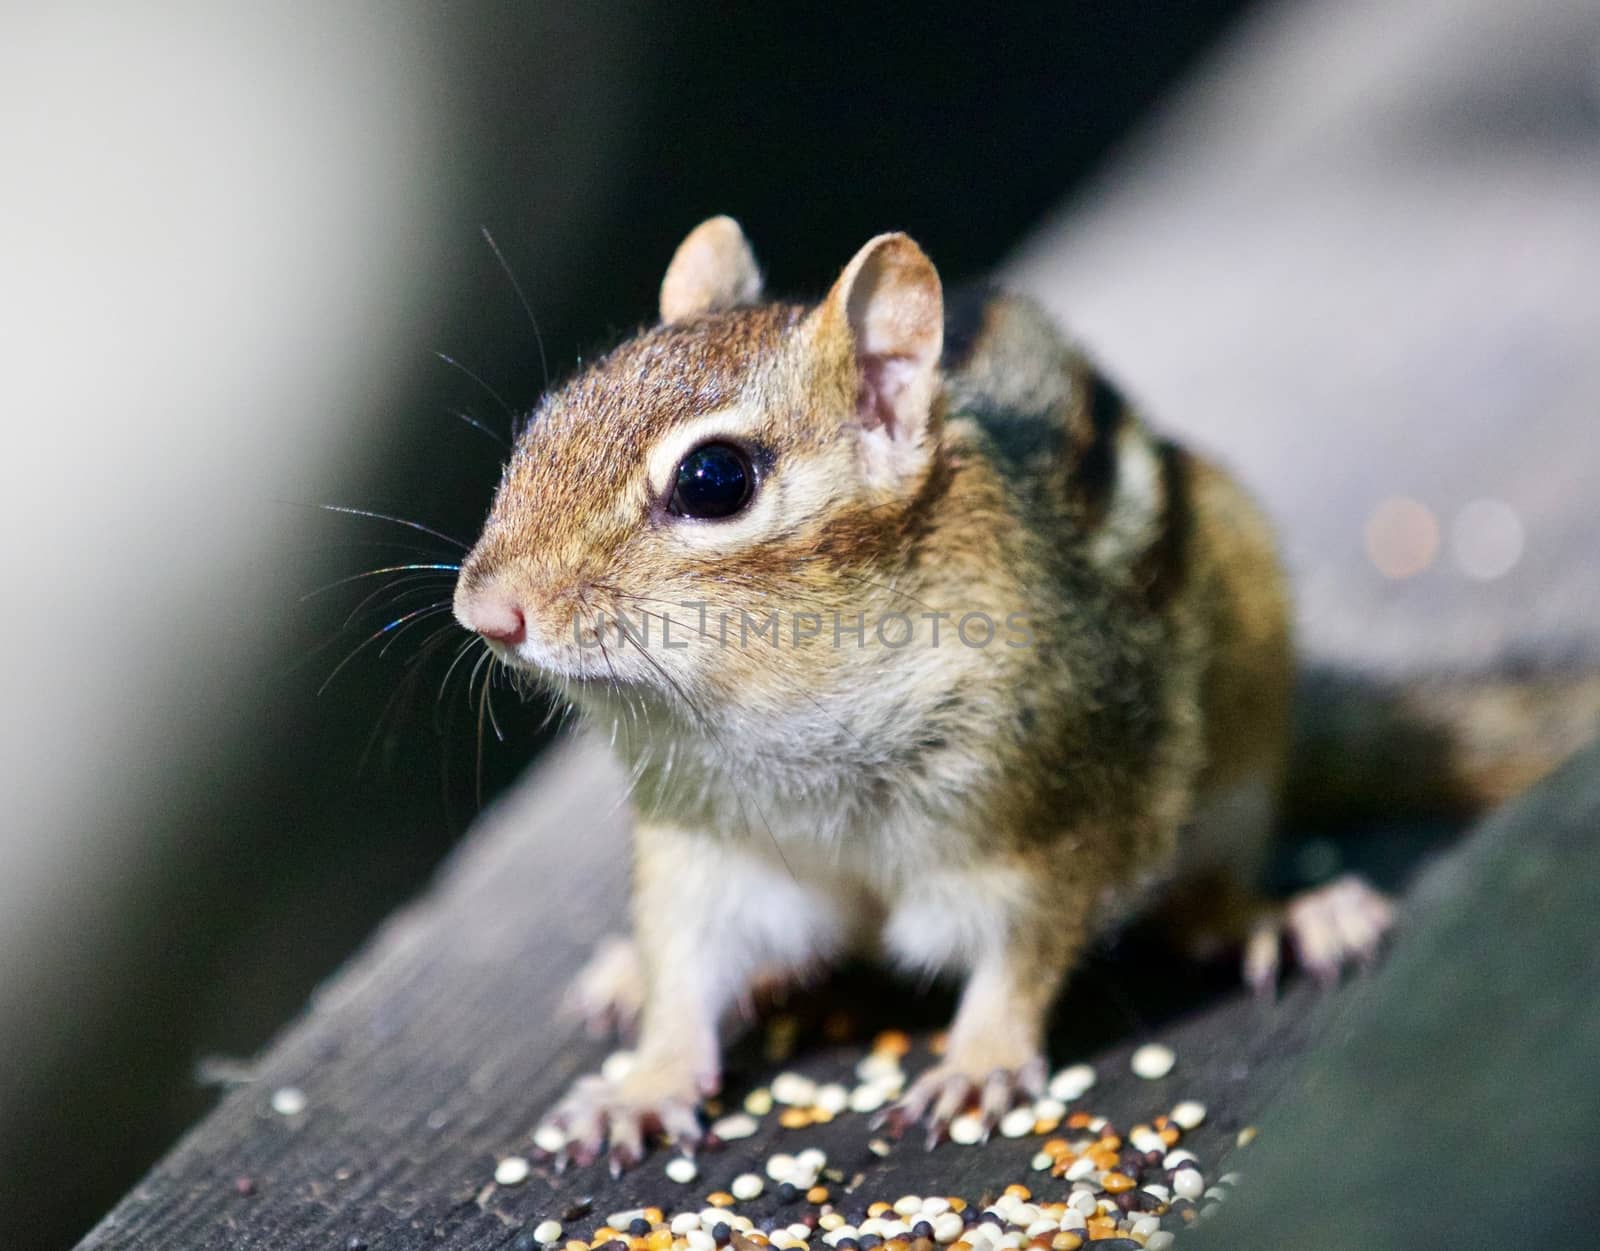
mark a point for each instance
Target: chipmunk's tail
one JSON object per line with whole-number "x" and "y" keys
{"x": 1437, "y": 747}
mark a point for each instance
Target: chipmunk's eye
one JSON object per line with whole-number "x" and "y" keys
{"x": 714, "y": 480}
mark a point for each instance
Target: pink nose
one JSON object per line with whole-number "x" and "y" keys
{"x": 499, "y": 620}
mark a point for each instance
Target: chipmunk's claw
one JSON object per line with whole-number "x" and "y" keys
{"x": 598, "y": 1112}
{"x": 947, "y": 1090}
{"x": 1330, "y": 928}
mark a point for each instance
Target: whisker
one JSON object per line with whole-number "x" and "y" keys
{"x": 360, "y": 647}
{"x": 538, "y": 337}
{"x": 472, "y": 421}
{"x": 425, "y": 612}
{"x": 373, "y": 573}
{"x": 472, "y": 641}
{"x": 493, "y": 394}
{"x": 399, "y": 521}
{"x": 417, "y": 584}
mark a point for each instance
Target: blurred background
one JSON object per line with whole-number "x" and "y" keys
{"x": 1351, "y": 246}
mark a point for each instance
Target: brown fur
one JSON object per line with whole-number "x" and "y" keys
{"x": 1043, "y": 789}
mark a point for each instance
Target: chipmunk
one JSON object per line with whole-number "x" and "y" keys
{"x": 915, "y": 640}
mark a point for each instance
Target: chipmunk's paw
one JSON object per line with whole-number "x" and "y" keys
{"x": 608, "y": 992}
{"x": 1330, "y": 928}
{"x": 948, "y": 1089}
{"x": 620, "y": 1112}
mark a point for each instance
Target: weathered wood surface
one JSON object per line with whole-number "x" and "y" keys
{"x": 436, "y": 1052}
{"x": 1468, "y": 1065}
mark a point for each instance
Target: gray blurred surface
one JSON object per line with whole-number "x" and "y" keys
{"x": 1360, "y": 259}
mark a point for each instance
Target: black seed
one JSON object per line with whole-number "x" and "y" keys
{"x": 846, "y": 1244}
{"x": 721, "y": 1233}
{"x": 922, "y": 1229}
{"x": 525, "y": 1241}
{"x": 788, "y": 1192}
{"x": 356, "y": 1243}
{"x": 638, "y": 1227}
{"x": 868, "y": 1241}
{"x": 577, "y": 1211}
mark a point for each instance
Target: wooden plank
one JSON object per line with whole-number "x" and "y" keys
{"x": 436, "y": 1052}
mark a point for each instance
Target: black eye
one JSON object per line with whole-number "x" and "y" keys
{"x": 714, "y": 480}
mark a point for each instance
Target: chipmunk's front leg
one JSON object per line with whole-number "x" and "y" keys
{"x": 706, "y": 919}
{"x": 997, "y": 922}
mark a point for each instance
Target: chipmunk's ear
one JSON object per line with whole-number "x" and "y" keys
{"x": 889, "y": 302}
{"x": 712, "y": 270}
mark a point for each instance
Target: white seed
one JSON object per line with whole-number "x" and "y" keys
{"x": 1230, "y": 1179}
{"x": 682, "y": 1170}
{"x": 966, "y": 1130}
{"x": 840, "y": 1233}
{"x": 782, "y": 1167}
{"x": 1160, "y": 1240}
{"x": 550, "y": 1138}
{"x": 1247, "y": 1135}
{"x": 547, "y": 1232}
{"x": 1152, "y": 1060}
{"x": 1017, "y": 1123}
{"x": 710, "y": 1218}
{"x": 1216, "y": 1194}
{"x": 621, "y": 1220}
{"x": 1098, "y": 1125}
{"x": 1085, "y": 1203}
{"x": 781, "y": 1238}
{"x": 742, "y": 1223}
{"x": 895, "y": 1229}
{"x": 1025, "y": 1215}
{"x": 1071, "y": 1082}
{"x": 616, "y": 1066}
{"x": 1006, "y": 1205}
{"x": 739, "y": 1125}
{"x": 1072, "y": 1219}
{"x": 1011, "y": 1241}
{"x": 1048, "y": 1109}
{"x": 947, "y": 1227}
{"x": 700, "y": 1240}
{"x": 683, "y": 1222}
{"x": 802, "y": 1232}
{"x": 1158, "y": 1192}
{"x": 1080, "y": 1168}
{"x": 908, "y": 1205}
{"x": 933, "y": 1205}
{"x": 1188, "y": 1114}
{"x": 830, "y": 1221}
{"x": 1146, "y": 1140}
{"x": 511, "y": 1171}
{"x": 832, "y": 1098}
{"x": 1188, "y": 1184}
{"x": 812, "y": 1159}
{"x": 866, "y": 1098}
{"x": 1174, "y": 1158}
{"x": 872, "y": 1225}
{"x": 288, "y": 1101}
{"x": 1042, "y": 1162}
{"x": 878, "y": 1066}
{"x": 1145, "y": 1226}
{"x": 794, "y": 1089}
{"x": 1044, "y": 1225}
{"x": 746, "y": 1186}
{"x": 758, "y": 1102}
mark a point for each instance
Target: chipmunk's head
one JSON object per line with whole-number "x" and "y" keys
{"x": 739, "y": 459}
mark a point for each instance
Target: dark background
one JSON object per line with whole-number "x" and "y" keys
{"x": 817, "y": 130}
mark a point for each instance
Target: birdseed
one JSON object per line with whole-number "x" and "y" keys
{"x": 1153, "y": 1060}
{"x": 511, "y": 1171}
